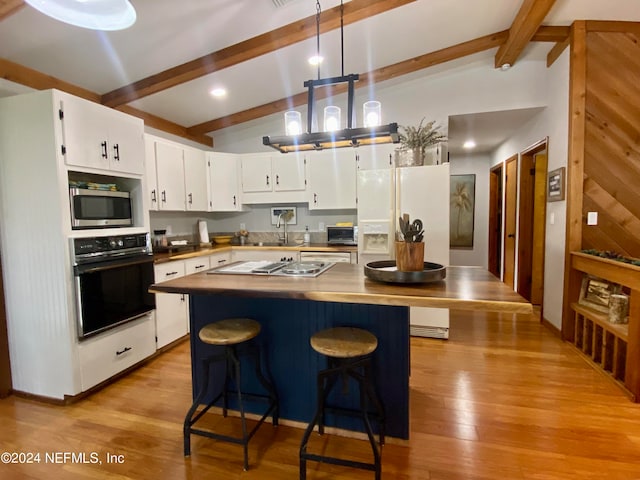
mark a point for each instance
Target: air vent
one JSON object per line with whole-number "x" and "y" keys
{"x": 429, "y": 331}
{"x": 282, "y": 3}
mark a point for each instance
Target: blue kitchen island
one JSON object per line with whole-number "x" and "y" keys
{"x": 291, "y": 309}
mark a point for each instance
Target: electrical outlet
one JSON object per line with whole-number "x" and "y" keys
{"x": 592, "y": 218}
{"x": 243, "y": 226}
{"x": 321, "y": 226}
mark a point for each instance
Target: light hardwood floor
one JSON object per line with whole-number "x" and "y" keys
{"x": 502, "y": 399}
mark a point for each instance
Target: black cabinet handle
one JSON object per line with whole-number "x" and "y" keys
{"x": 267, "y": 179}
{"x": 222, "y": 261}
{"x": 171, "y": 273}
{"x": 124, "y": 350}
{"x": 277, "y": 179}
{"x": 315, "y": 198}
{"x": 234, "y": 200}
{"x": 511, "y": 235}
{"x": 104, "y": 149}
{"x": 190, "y": 198}
{"x": 164, "y": 195}
{"x": 116, "y": 152}
{"x": 153, "y": 195}
{"x": 199, "y": 266}
{"x": 182, "y": 297}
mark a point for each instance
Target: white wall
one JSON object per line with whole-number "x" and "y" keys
{"x": 554, "y": 123}
{"x": 478, "y": 165}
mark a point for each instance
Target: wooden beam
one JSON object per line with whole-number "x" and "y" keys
{"x": 557, "y": 50}
{"x": 9, "y": 7}
{"x": 32, "y": 78}
{"x": 260, "y": 45}
{"x": 551, "y": 34}
{"x": 165, "y": 125}
{"x": 524, "y": 26}
{"x": 379, "y": 75}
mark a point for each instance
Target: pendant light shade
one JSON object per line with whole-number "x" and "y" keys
{"x": 91, "y": 14}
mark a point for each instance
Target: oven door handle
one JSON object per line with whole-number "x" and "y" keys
{"x": 110, "y": 264}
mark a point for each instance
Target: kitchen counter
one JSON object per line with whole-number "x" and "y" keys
{"x": 290, "y": 310}
{"x": 211, "y": 250}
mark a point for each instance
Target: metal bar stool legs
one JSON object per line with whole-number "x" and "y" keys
{"x": 230, "y": 334}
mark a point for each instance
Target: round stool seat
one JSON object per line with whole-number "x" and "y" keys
{"x": 344, "y": 342}
{"x": 229, "y": 331}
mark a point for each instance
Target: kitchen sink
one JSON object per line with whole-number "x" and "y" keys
{"x": 275, "y": 244}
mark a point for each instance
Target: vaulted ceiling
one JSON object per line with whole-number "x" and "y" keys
{"x": 163, "y": 67}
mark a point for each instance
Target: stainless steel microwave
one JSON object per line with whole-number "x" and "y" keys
{"x": 342, "y": 235}
{"x": 99, "y": 208}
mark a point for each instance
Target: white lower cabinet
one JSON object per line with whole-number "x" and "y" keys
{"x": 172, "y": 309}
{"x": 219, "y": 259}
{"x": 104, "y": 356}
{"x": 196, "y": 265}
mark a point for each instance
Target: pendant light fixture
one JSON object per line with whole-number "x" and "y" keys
{"x": 91, "y": 14}
{"x": 333, "y": 136}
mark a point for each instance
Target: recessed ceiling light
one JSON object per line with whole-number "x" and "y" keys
{"x": 505, "y": 66}
{"x": 315, "y": 60}
{"x": 469, "y": 144}
{"x": 218, "y": 92}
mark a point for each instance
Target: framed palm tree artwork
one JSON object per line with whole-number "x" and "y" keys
{"x": 462, "y": 210}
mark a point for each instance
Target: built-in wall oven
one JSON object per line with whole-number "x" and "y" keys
{"x": 112, "y": 277}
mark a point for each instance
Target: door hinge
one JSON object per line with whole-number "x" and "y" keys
{"x": 60, "y": 113}
{"x": 63, "y": 149}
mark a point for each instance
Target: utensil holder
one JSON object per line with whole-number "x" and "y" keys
{"x": 410, "y": 256}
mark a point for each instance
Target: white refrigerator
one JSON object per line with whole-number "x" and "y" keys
{"x": 423, "y": 193}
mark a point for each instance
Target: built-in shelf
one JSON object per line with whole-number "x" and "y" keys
{"x": 610, "y": 347}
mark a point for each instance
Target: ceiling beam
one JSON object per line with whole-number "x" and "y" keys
{"x": 9, "y": 7}
{"x": 528, "y": 19}
{"x": 551, "y": 34}
{"x": 254, "y": 47}
{"x": 379, "y": 75}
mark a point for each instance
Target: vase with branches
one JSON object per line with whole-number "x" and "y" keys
{"x": 415, "y": 140}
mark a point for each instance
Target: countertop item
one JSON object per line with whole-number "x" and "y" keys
{"x": 386, "y": 271}
{"x": 222, "y": 239}
{"x": 465, "y": 288}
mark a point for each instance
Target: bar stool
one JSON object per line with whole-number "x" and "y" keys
{"x": 348, "y": 351}
{"x": 232, "y": 334}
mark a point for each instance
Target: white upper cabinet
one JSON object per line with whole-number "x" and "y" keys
{"x": 332, "y": 179}
{"x": 273, "y": 173}
{"x": 256, "y": 173}
{"x": 170, "y": 176}
{"x": 224, "y": 191}
{"x": 376, "y": 157}
{"x": 195, "y": 179}
{"x": 100, "y": 137}
{"x": 288, "y": 172}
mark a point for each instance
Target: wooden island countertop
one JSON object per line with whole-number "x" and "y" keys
{"x": 465, "y": 288}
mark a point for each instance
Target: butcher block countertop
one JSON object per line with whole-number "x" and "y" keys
{"x": 465, "y": 288}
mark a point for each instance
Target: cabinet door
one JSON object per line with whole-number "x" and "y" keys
{"x": 376, "y": 157}
{"x": 195, "y": 179}
{"x": 223, "y": 183}
{"x": 196, "y": 265}
{"x": 126, "y": 142}
{"x": 288, "y": 172}
{"x": 172, "y": 319}
{"x": 85, "y": 133}
{"x": 332, "y": 180}
{"x": 219, "y": 259}
{"x": 151, "y": 180}
{"x": 256, "y": 173}
{"x": 170, "y": 174}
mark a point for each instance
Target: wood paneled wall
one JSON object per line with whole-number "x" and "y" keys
{"x": 612, "y": 138}
{"x": 604, "y": 146}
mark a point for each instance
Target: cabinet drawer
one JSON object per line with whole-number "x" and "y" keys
{"x": 169, "y": 270}
{"x": 104, "y": 356}
{"x": 219, "y": 259}
{"x": 196, "y": 265}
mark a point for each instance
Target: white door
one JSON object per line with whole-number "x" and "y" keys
{"x": 256, "y": 173}
{"x": 126, "y": 142}
{"x": 374, "y": 157}
{"x": 223, "y": 183}
{"x": 332, "y": 179}
{"x": 195, "y": 180}
{"x": 288, "y": 172}
{"x": 170, "y": 174}
{"x": 85, "y": 133}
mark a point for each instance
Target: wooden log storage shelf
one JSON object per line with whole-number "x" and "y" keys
{"x": 610, "y": 347}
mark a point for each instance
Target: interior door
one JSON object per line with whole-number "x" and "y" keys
{"x": 539, "y": 228}
{"x": 495, "y": 220}
{"x": 510, "y": 207}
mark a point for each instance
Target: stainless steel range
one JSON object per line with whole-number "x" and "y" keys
{"x": 266, "y": 267}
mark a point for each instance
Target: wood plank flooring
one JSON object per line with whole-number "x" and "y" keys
{"x": 503, "y": 398}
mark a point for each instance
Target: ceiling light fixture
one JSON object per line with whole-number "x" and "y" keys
{"x": 218, "y": 92}
{"x": 91, "y": 14}
{"x": 469, "y": 144}
{"x": 315, "y": 60}
{"x": 333, "y": 136}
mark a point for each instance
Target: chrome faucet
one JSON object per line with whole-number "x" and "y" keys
{"x": 286, "y": 215}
